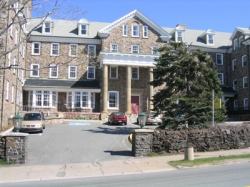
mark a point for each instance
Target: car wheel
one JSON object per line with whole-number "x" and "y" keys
{"x": 41, "y": 131}
{"x": 44, "y": 127}
{"x": 125, "y": 123}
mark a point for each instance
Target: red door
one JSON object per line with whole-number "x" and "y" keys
{"x": 135, "y": 104}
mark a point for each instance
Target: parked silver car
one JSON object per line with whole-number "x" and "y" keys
{"x": 33, "y": 122}
{"x": 152, "y": 119}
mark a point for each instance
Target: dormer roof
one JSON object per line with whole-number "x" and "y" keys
{"x": 245, "y": 31}
{"x": 83, "y": 21}
{"x": 48, "y": 19}
{"x": 164, "y": 35}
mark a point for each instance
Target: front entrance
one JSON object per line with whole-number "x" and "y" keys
{"x": 135, "y": 104}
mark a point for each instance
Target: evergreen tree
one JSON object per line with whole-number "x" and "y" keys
{"x": 187, "y": 78}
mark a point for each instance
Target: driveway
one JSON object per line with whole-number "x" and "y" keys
{"x": 79, "y": 142}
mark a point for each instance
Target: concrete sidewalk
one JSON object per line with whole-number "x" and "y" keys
{"x": 19, "y": 173}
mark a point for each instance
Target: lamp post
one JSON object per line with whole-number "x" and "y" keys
{"x": 142, "y": 119}
{"x": 17, "y": 120}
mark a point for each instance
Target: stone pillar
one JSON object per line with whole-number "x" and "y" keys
{"x": 151, "y": 90}
{"x": 142, "y": 142}
{"x": 105, "y": 92}
{"x": 128, "y": 91}
{"x": 16, "y": 147}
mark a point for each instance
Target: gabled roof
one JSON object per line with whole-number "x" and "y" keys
{"x": 136, "y": 13}
{"x": 245, "y": 31}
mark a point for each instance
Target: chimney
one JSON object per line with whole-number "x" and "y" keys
{"x": 184, "y": 26}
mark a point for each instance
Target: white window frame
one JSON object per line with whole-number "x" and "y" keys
{"x": 75, "y": 99}
{"x": 235, "y": 84}
{"x": 89, "y": 50}
{"x": 32, "y": 68}
{"x": 234, "y": 67}
{"x": 33, "y": 48}
{"x": 221, "y": 77}
{"x": 45, "y": 24}
{"x": 244, "y": 60}
{"x": 52, "y": 70}
{"x": 70, "y": 50}
{"x": 133, "y": 50}
{"x": 236, "y": 105}
{"x": 52, "y": 49}
{"x": 46, "y": 98}
{"x": 80, "y": 29}
{"x": 241, "y": 38}
{"x": 114, "y": 104}
{"x": 125, "y": 30}
{"x": 245, "y": 103}
{"x": 12, "y": 93}
{"x": 113, "y": 70}
{"x": 88, "y": 72}
{"x": 135, "y": 30}
{"x": 219, "y": 59}
{"x": 235, "y": 44}
{"x": 179, "y": 36}
{"x": 210, "y": 39}
{"x": 74, "y": 72}
{"x": 154, "y": 50}
{"x": 9, "y": 58}
{"x": 145, "y": 31}
{"x": 113, "y": 47}
{"x": 245, "y": 82}
{"x": 136, "y": 72}
{"x": 7, "y": 89}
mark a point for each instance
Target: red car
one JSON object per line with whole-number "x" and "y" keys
{"x": 117, "y": 118}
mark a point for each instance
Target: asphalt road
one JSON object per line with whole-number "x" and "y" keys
{"x": 235, "y": 175}
{"x": 78, "y": 142}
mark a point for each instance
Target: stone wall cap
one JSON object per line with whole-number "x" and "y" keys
{"x": 143, "y": 130}
{"x": 16, "y": 134}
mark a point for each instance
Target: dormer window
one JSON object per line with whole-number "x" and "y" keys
{"x": 179, "y": 36}
{"x": 83, "y": 26}
{"x": 47, "y": 25}
{"x": 210, "y": 36}
{"x": 179, "y": 32}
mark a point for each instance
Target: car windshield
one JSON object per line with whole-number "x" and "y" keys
{"x": 118, "y": 114}
{"x": 32, "y": 117}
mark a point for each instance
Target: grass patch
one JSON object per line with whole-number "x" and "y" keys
{"x": 204, "y": 161}
{"x": 4, "y": 163}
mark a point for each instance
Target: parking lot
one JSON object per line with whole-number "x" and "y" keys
{"x": 79, "y": 142}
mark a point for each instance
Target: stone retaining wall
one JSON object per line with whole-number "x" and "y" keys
{"x": 216, "y": 138}
{"x": 13, "y": 147}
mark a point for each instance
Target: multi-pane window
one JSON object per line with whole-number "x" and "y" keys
{"x": 245, "y": 82}
{"x": 235, "y": 84}
{"x": 113, "y": 99}
{"x": 35, "y": 70}
{"x": 145, "y": 31}
{"x": 91, "y": 50}
{"x": 35, "y": 48}
{"x": 179, "y": 36}
{"x": 91, "y": 72}
{"x": 53, "y": 71}
{"x": 135, "y": 49}
{"x": 235, "y": 44}
{"x": 240, "y": 41}
{"x": 221, "y": 77}
{"x": 235, "y": 105}
{"x": 42, "y": 98}
{"x": 135, "y": 30}
{"x": 234, "y": 64}
{"x": 47, "y": 27}
{"x": 113, "y": 72}
{"x": 210, "y": 39}
{"x": 85, "y": 99}
{"x": 135, "y": 73}
{"x": 54, "y": 49}
{"x": 54, "y": 99}
{"x": 73, "y": 49}
{"x": 79, "y": 100}
{"x": 113, "y": 47}
{"x": 219, "y": 59}
{"x": 244, "y": 61}
{"x": 72, "y": 72}
{"x": 83, "y": 29}
{"x": 92, "y": 100}
{"x": 155, "y": 50}
{"x": 7, "y": 90}
{"x": 245, "y": 102}
{"x": 125, "y": 30}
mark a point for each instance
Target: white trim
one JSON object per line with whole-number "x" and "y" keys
{"x": 80, "y": 29}
{"x": 245, "y": 61}
{"x": 235, "y": 44}
{"x": 70, "y": 50}
{"x": 70, "y": 72}
{"x": 112, "y": 50}
{"x": 234, "y": 63}
{"x": 245, "y": 81}
{"x": 51, "y": 49}
{"x": 44, "y": 27}
{"x": 125, "y": 30}
{"x": 145, "y": 31}
{"x": 137, "y": 34}
{"x": 177, "y": 36}
{"x": 32, "y": 68}
{"x": 51, "y": 68}
{"x": 221, "y": 78}
{"x": 221, "y": 58}
{"x": 153, "y": 50}
{"x": 116, "y": 70}
{"x": 117, "y": 101}
{"x": 94, "y": 49}
{"x": 33, "y": 48}
{"x": 210, "y": 39}
{"x": 241, "y": 38}
{"x": 88, "y": 72}
{"x": 132, "y": 49}
{"x": 137, "y": 72}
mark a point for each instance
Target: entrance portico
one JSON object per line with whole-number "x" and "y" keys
{"x": 125, "y": 85}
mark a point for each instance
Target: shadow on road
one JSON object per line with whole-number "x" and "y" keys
{"x": 120, "y": 153}
{"x": 117, "y": 130}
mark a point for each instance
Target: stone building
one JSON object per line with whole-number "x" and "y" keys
{"x": 13, "y": 16}
{"x": 104, "y": 67}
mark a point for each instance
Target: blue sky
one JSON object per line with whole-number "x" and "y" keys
{"x": 219, "y": 15}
